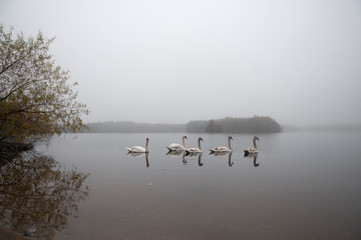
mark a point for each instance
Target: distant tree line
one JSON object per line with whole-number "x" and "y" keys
{"x": 255, "y": 124}
{"x": 133, "y": 127}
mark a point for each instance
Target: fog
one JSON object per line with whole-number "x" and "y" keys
{"x": 298, "y": 62}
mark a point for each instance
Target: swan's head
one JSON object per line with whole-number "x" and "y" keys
{"x": 147, "y": 139}
{"x": 256, "y": 138}
{"x": 200, "y": 139}
{"x": 229, "y": 137}
{"x": 185, "y": 137}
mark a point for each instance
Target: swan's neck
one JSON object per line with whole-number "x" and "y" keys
{"x": 146, "y": 146}
{"x": 183, "y": 142}
{"x": 199, "y": 143}
{"x": 254, "y": 143}
{"x": 229, "y": 144}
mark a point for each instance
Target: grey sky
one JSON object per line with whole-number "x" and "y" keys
{"x": 175, "y": 61}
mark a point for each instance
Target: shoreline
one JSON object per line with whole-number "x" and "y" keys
{"x": 11, "y": 235}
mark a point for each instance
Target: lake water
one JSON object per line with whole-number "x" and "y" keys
{"x": 301, "y": 185}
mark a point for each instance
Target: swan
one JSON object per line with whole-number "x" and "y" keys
{"x": 194, "y": 149}
{"x": 253, "y": 149}
{"x": 139, "y": 149}
{"x": 223, "y": 149}
{"x": 177, "y": 146}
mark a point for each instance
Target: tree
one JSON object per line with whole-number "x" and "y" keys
{"x": 213, "y": 127}
{"x": 255, "y": 124}
{"x": 36, "y": 100}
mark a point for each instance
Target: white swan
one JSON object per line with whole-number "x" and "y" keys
{"x": 139, "y": 149}
{"x": 223, "y": 149}
{"x": 177, "y": 146}
{"x": 253, "y": 149}
{"x": 194, "y": 149}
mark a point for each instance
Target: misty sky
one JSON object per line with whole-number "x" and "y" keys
{"x": 159, "y": 61}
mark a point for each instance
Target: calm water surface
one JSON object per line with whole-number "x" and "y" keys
{"x": 301, "y": 185}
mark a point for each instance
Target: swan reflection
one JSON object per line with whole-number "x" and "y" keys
{"x": 184, "y": 160}
{"x": 219, "y": 154}
{"x": 175, "y": 153}
{"x": 193, "y": 155}
{"x": 254, "y": 156}
{"x": 139, "y": 154}
{"x": 200, "y": 163}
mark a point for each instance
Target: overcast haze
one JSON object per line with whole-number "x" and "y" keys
{"x": 298, "y": 62}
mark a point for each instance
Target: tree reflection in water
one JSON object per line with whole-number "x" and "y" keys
{"x": 37, "y": 192}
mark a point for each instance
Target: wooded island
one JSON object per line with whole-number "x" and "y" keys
{"x": 255, "y": 124}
